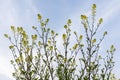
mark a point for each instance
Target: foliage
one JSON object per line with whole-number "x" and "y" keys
{"x": 37, "y": 57}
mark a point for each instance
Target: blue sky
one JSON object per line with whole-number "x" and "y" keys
{"x": 23, "y": 13}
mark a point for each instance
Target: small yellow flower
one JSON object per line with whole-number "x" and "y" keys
{"x": 84, "y": 17}
{"x": 100, "y": 20}
{"x": 39, "y": 17}
{"x": 80, "y": 38}
{"x": 64, "y": 37}
{"x": 94, "y": 6}
{"x": 93, "y": 41}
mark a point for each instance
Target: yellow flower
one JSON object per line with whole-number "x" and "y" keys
{"x": 80, "y": 38}
{"x": 64, "y": 37}
{"x": 84, "y": 17}
{"x": 94, "y": 6}
{"x": 39, "y": 17}
{"x": 100, "y": 20}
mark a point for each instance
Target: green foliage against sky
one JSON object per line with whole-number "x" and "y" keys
{"x": 37, "y": 57}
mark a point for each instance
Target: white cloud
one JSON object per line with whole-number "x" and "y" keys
{"x": 110, "y": 10}
{"x": 10, "y": 15}
{"x": 6, "y": 19}
{"x": 5, "y": 68}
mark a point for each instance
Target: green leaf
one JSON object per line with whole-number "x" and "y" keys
{"x": 24, "y": 35}
{"x": 34, "y": 27}
{"x": 47, "y": 20}
{"x": 51, "y": 47}
{"x": 21, "y": 28}
{"x": 11, "y": 61}
{"x": 75, "y": 32}
{"x": 39, "y": 43}
{"x": 52, "y": 32}
{"x": 17, "y": 60}
{"x": 83, "y": 60}
{"x": 48, "y": 29}
{"x": 82, "y": 45}
{"x": 94, "y": 51}
{"x": 65, "y": 26}
{"x": 60, "y": 56}
{"x": 105, "y": 33}
{"x": 61, "y": 65}
{"x": 112, "y": 46}
{"x": 75, "y": 46}
{"x": 11, "y": 47}
{"x": 44, "y": 61}
{"x": 25, "y": 43}
{"x": 56, "y": 34}
{"x": 6, "y": 35}
{"x": 42, "y": 24}
{"x": 80, "y": 38}
{"x": 72, "y": 70}
{"x": 69, "y": 60}
{"x": 18, "y": 29}
{"x": 99, "y": 57}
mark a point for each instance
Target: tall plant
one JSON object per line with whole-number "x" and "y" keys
{"x": 37, "y": 57}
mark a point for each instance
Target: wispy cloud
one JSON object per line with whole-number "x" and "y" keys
{"x": 12, "y": 14}
{"x": 7, "y": 17}
{"x": 110, "y": 10}
{"x": 23, "y": 13}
